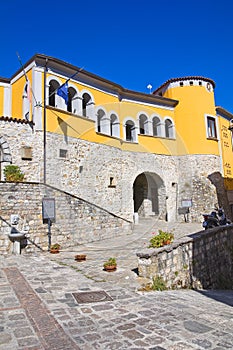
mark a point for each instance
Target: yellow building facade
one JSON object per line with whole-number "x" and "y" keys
{"x": 176, "y": 124}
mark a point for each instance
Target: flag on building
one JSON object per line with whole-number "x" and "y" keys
{"x": 63, "y": 92}
{"x": 27, "y": 90}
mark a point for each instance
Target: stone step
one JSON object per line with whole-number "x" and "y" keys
{"x": 145, "y": 224}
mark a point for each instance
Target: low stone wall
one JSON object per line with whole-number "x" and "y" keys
{"x": 77, "y": 221}
{"x": 203, "y": 260}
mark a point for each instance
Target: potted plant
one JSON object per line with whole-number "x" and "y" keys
{"x": 80, "y": 257}
{"x": 110, "y": 265}
{"x": 163, "y": 238}
{"x": 55, "y": 248}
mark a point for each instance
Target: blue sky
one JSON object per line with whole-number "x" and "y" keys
{"x": 132, "y": 43}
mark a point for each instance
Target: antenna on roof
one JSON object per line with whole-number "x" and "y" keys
{"x": 149, "y": 86}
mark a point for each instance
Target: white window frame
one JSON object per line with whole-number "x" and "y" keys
{"x": 171, "y": 127}
{"x": 159, "y": 127}
{"x": 207, "y": 116}
{"x": 135, "y": 134}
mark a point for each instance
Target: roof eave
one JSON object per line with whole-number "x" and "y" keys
{"x": 222, "y": 111}
{"x": 172, "y": 80}
{"x": 57, "y": 64}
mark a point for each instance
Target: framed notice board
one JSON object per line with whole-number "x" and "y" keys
{"x": 48, "y": 209}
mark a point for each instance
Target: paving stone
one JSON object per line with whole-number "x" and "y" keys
{"x": 18, "y": 316}
{"x": 5, "y": 338}
{"x": 28, "y": 341}
{"x": 23, "y": 332}
{"x": 92, "y": 336}
{"x": 126, "y": 326}
{"x": 133, "y": 334}
{"x": 203, "y": 343}
{"x": 196, "y": 327}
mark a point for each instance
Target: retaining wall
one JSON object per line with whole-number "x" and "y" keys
{"x": 77, "y": 221}
{"x": 203, "y": 260}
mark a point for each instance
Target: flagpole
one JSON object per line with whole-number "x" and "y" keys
{"x": 45, "y": 141}
{"x": 25, "y": 75}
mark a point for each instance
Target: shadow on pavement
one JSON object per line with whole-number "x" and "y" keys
{"x": 223, "y": 296}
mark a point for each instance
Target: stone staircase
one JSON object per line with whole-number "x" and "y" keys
{"x": 145, "y": 225}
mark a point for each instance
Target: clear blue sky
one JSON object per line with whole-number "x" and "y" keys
{"x": 132, "y": 43}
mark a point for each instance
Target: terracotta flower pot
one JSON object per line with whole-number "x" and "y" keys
{"x": 54, "y": 251}
{"x": 80, "y": 257}
{"x": 110, "y": 268}
{"x": 167, "y": 242}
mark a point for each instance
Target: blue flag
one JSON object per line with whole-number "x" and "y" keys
{"x": 63, "y": 92}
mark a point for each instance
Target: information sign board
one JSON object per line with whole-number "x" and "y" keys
{"x": 186, "y": 203}
{"x": 48, "y": 209}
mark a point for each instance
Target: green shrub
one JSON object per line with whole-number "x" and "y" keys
{"x": 110, "y": 262}
{"x": 158, "y": 284}
{"x": 13, "y": 173}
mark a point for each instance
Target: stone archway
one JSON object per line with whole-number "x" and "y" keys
{"x": 149, "y": 195}
{"x": 5, "y": 154}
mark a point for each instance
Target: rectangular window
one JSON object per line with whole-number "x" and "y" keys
{"x": 211, "y": 126}
{"x": 63, "y": 153}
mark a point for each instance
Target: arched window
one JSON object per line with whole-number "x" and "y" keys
{"x": 85, "y": 102}
{"x": 100, "y": 120}
{"x": 156, "y": 126}
{"x": 72, "y": 100}
{"x": 114, "y": 126}
{"x": 143, "y": 124}
{"x": 130, "y": 132}
{"x": 169, "y": 128}
{"x": 53, "y": 86}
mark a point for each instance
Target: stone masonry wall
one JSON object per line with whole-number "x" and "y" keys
{"x": 77, "y": 221}
{"x": 17, "y": 136}
{"x": 202, "y": 260}
{"x": 87, "y": 170}
{"x": 88, "y": 167}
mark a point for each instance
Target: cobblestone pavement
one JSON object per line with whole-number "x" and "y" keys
{"x": 38, "y": 309}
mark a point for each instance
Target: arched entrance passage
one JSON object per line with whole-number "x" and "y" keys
{"x": 149, "y": 195}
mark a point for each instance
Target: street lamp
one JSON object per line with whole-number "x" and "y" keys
{"x": 149, "y": 86}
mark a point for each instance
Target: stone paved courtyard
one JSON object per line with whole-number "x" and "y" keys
{"x": 38, "y": 310}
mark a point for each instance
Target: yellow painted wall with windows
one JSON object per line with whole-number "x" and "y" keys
{"x": 188, "y": 116}
{"x": 83, "y": 128}
{"x": 226, "y": 147}
{"x": 190, "y": 121}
